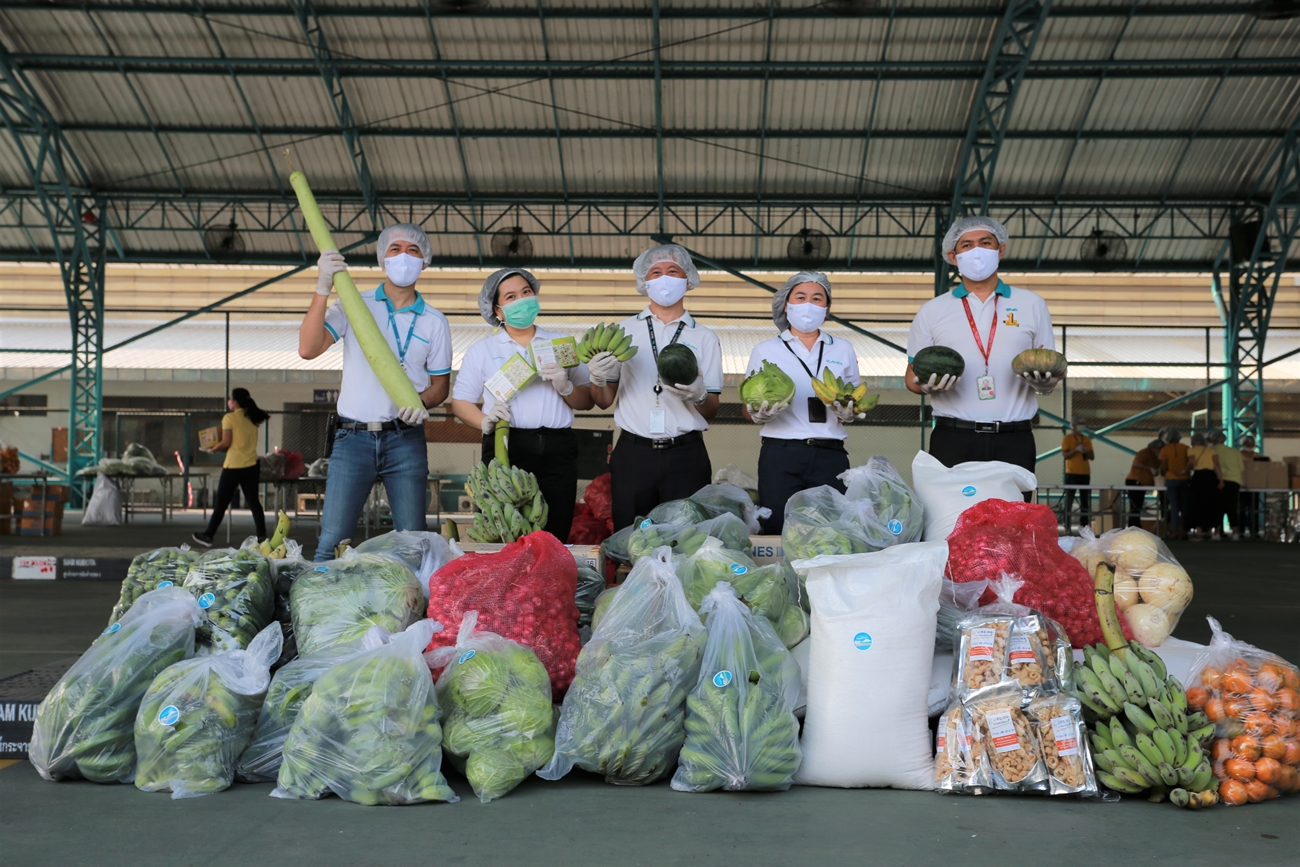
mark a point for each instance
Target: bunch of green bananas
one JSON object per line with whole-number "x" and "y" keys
{"x": 1143, "y": 738}
{"x": 683, "y": 540}
{"x": 274, "y": 546}
{"x": 509, "y": 503}
{"x": 803, "y": 541}
{"x": 606, "y": 338}
{"x": 831, "y": 389}
{"x": 237, "y": 592}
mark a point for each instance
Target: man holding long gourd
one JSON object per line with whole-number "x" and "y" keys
{"x": 377, "y": 440}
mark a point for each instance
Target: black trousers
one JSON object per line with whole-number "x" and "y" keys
{"x": 1136, "y": 500}
{"x": 550, "y": 454}
{"x": 245, "y": 479}
{"x": 642, "y": 476}
{"x": 1085, "y": 497}
{"x": 786, "y": 467}
{"x": 1203, "y": 506}
{"x": 1231, "y": 497}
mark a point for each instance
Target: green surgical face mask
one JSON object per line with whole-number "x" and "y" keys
{"x": 521, "y": 313}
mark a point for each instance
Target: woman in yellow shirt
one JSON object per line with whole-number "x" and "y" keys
{"x": 1203, "y": 499}
{"x": 239, "y": 470}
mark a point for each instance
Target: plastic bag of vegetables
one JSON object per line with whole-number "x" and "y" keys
{"x": 615, "y": 547}
{"x": 236, "y": 591}
{"x": 369, "y": 730}
{"x": 1151, "y": 588}
{"x": 498, "y": 723}
{"x": 290, "y": 687}
{"x": 423, "y": 553}
{"x": 682, "y": 538}
{"x": 824, "y": 521}
{"x": 286, "y": 570}
{"x": 162, "y": 567}
{"x": 712, "y": 563}
{"x": 732, "y": 531}
{"x": 197, "y": 718}
{"x": 680, "y": 512}
{"x": 768, "y": 591}
{"x": 741, "y": 732}
{"x": 336, "y": 603}
{"x": 894, "y": 515}
{"x": 624, "y": 715}
{"x": 590, "y": 585}
{"x": 723, "y": 497}
{"x": 85, "y": 727}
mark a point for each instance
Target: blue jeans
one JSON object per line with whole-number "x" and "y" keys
{"x": 360, "y": 458}
{"x": 1176, "y": 491}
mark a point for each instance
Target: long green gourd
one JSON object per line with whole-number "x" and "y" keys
{"x": 383, "y": 362}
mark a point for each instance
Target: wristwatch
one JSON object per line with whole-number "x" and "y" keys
{"x": 701, "y": 401}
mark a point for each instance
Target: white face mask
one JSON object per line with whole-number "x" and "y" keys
{"x": 666, "y": 291}
{"x": 805, "y": 317}
{"x": 403, "y": 269}
{"x": 977, "y": 263}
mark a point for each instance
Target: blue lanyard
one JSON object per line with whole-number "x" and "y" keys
{"x": 410, "y": 332}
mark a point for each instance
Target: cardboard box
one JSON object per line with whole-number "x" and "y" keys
{"x": 59, "y": 445}
{"x": 765, "y": 549}
{"x": 209, "y": 437}
{"x": 40, "y": 508}
{"x": 1295, "y": 483}
{"x": 1255, "y": 475}
{"x": 37, "y": 527}
{"x": 589, "y": 554}
{"x": 1279, "y": 476}
{"x": 1293, "y": 463}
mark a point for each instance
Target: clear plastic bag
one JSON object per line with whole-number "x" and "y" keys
{"x": 289, "y": 688}
{"x": 1004, "y": 645}
{"x": 423, "y": 553}
{"x": 1063, "y": 740}
{"x": 198, "y": 716}
{"x": 369, "y": 731}
{"x": 590, "y": 585}
{"x": 1252, "y": 699}
{"x": 711, "y": 563}
{"x": 498, "y": 725}
{"x": 136, "y": 450}
{"x": 287, "y": 569}
{"x": 105, "y": 506}
{"x": 624, "y": 715}
{"x": 824, "y": 521}
{"x": 85, "y": 726}
{"x": 1151, "y": 588}
{"x": 236, "y": 591}
{"x": 337, "y": 602}
{"x": 741, "y": 732}
{"x": 647, "y": 536}
{"x": 728, "y": 529}
{"x": 161, "y": 567}
{"x": 894, "y": 514}
{"x": 680, "y": 512}
{"x": 960, "y": 764}
{"x": 955, "y": 602}
{"x": 723, "y": 497}
{"x": 1009, "y": 741}
{"x": 615, "y": 547}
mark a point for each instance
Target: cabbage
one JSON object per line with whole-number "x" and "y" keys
{"x": 494, "y": 772}
{"x": 769, "y": 383}
{"x": 480, "y": 684}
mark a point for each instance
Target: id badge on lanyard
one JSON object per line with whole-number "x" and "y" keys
{"x": 658, "y": 415}
{"x": 984, "y": 385}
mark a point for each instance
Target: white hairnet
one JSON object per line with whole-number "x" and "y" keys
{"x": 973, "y": 224}
{"x": 487, "y": 296}
{"x": 782, "y": 296}
{"x": 404, "y": 232}
{"x": 665, "y": 253}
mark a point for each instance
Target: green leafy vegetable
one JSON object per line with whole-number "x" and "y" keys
{"x": 769, "y": 383}
{"x": 337, "y": 602}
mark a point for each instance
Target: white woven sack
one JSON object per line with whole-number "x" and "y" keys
{"x": 946, "y": 492}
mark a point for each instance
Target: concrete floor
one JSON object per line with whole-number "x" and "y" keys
{"x": 1254, "y": 589}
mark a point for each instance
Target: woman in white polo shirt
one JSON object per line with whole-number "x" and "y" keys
{"x": 803, "y": 441}
{"x": 542, "y": 440}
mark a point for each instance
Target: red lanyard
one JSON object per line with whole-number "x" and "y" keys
{"x": 993, "y": 329}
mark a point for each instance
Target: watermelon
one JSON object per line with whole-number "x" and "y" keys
{"x": 937, "y": 360}
{"x": 1039, "y": 361}
{"x": 677, "y": 365}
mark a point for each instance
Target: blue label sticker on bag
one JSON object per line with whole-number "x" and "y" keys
{"x": 896, "y": 527}
{"x": 646, "y": 523}
{"x": 169, "y": 715}
{"x": 721, "y": 679}
{"x": 862, "y": 641}
{"x": 110, "y": 630}
{"x": 322, "y": 568}
{"x": 737, "y": 569}
{"x": 162, "y": 584}
{"x": 466, "y": 657}
{"x": 206, "y": 600}
{"x": 968, "y": 491}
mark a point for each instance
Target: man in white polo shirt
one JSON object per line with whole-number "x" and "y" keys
{"x": 375, "y": 439}
{"x": 660, "y": 454}
{"x": 986, "y": 414}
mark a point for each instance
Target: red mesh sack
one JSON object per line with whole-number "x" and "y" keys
{"x": 587, "y": 529}
{"x": 1018, "y": 538}
{"x": 294, "y": 466}
{"x": 524, "y": 592}
{"x": 600, "y": 499}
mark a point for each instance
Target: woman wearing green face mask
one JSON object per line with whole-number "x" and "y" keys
{"x": 540, "y": 414}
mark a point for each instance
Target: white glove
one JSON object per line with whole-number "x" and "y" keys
{"x": 937, "y": 383}
{"x": 557, "y": 376}
{"x": 692, "y": 393}
{"x": 1041, "y": 382}
{"x": 498, "y": 412}
{"x": 412, "y": 415}
{"x": 330, "y": 263}
{"x": 767, "y": 411}
{"x": 604, "y": 368}
{"x": 845, "y": 414}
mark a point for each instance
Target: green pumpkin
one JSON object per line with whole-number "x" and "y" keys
{"x": 677, "y": 365}
{"x": 1039, "y": 361}
{"x": 937, "y": 360}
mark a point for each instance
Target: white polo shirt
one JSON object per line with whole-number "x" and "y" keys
{"x": 785, "y": 352}
{"x": 418, "y": 335}
{"x": 636, "y": 396}
{"x": 1023, "y": 323}
{"x": 538, "y": 404}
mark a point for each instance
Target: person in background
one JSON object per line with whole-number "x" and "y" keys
{"x": 803, "y": 440}
{"x": 1204, "y": 491}
{"x": 1142, "y": 474}
{"x": 1248, "y": 450}
{"x": 1076, "y": 448}
{"x": 1232, "y": 469}
{"x": 376, "y": 440}
{"x": 660, "y": 453}
{"x": 541, "y": 439}
{"x": 1248, "y": 501}
{"x": 1177, "y": 473}
{"x": 239, "y": 470}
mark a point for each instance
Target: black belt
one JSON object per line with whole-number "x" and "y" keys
{"x": 395, "y": 424}
{"x": 543, "y": 431}
{"x": 825, "y": 443}
{"x": 984, "y": 427}
{"x": 664, "y": 442}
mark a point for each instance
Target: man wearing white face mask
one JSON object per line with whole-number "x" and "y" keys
{"x": 660, "y": 454}
{"x": 986, "y": 414}
{"x": 375, "y": 439}
{"x": 803, "y": 440}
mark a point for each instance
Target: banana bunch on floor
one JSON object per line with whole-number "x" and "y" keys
{"x": 508, "y": 501}
{"x": 1143, "y": 738}
{"x": 274, "y": 546}
{"x": 831, "y": 389}
{"x": 606, "y": 338}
